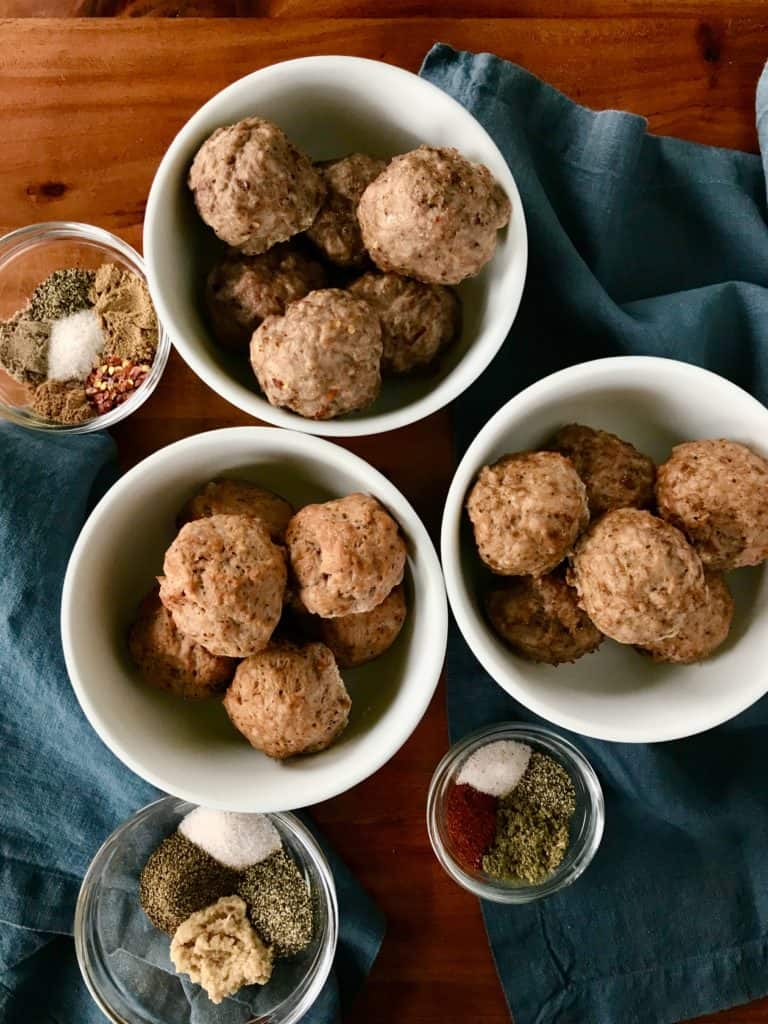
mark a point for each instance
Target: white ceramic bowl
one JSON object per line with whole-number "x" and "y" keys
{"x": 330, "y": 106}
{"x": 615, "y": 694}
{"x": 190, "y": 749}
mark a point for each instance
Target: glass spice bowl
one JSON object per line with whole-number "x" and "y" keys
{"x": 125, "y": 961}
{"x": 586, "y": 824}
{"x": 27, "y": 256}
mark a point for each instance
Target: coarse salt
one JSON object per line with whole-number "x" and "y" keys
{"x": 496, "y": 768}
{"x": 236, "y": 840}
{"x": 75, "y": 345}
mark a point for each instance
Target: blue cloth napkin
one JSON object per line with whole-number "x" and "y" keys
{"x": 651, "y": 246}
{"x": 61, "y": 791}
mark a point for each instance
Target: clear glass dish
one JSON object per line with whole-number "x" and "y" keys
{"x": 114, "y": 940}
{"x": 586, "y": 827}
{"x": 27, "y": 257}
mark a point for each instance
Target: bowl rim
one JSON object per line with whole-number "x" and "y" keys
{"x": 312, "y": 850}
{"x": 589, "y": 374}
{"x": 577, "y": 763}
{"x": 429, "y": 582}
{"x": 467, "y": 370}
{"x": 32, "y": 235}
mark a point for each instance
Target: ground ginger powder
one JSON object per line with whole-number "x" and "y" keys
{"x": 122, "y": 301}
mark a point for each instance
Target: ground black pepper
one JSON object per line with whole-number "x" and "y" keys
{"x": 279, "y": 903}
{"x": 62, "y": 293}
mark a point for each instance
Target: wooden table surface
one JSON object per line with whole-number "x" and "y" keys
{"x": 87, "y": 108}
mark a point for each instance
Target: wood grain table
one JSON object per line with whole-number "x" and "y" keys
{"x": 87, "y": 108}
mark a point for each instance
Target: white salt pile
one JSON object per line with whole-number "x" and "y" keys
{"x": 236, "y": 840}
{"x": 496, "y": 768}
{"x": 75, "y": 345}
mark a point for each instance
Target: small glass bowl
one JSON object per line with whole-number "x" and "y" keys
{"x": 586, "y": 827}
{"x": 114, "y": 939}
{"x": 27, "y": 257}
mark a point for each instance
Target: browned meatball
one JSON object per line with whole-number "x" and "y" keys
{"x": 253, "y": 187}
{"x": 335, "y": 230}
{"x": 614, "y": 472}
{"x": 540, "y": 619}
{"x": 716, "y": 492}
{"x": 171, "y": 661}
{"x": 527, "y": 511}
{"x": 224, "y": 584}
{"x": 356, "y": 639}
{"x": 704, "y": 628}
{"x": 433, "y": 215}
{"x": 289, "y": 700}
{"x": 346, "y": 555}
{"x": 241, "y": 291}
{"x": 417, "y": 320}
{"x": 239, "y": 498}
{"x": 637, "y": 576}
{"x": 322, "y": 359}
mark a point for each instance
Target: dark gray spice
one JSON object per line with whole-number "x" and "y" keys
{"x": 179, "y": 879}
{"x": 279, "y": 903}
{"x": 62, "y": 293}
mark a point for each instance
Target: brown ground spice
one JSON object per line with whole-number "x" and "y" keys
{"x": 24, "y": 348}
{"x": 62, "y": 402}
{"x": 128, "y": 318}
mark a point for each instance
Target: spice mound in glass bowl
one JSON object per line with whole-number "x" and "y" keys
{"x": 80, "y": 344}
{"x": 514, "y": 813}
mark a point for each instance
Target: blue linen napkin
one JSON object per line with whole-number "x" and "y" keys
{"x": 61, "y": 791}
{"x": 654, "y": 246}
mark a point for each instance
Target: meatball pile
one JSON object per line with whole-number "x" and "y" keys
{"x": 339, "y": 273}
{"x": 260, "y": 605}
{"x": 593, "y": 541}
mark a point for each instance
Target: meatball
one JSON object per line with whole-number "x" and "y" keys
{"x": 540, "y": 619}
{"x": 289, "y": 700}
{"x": 253, "y": 187}
{"x": 716, "y": 492}
{"x": 171, "y": 661}
{"x": 704, "y": 628}
{"x": 614, "y": 472}
{"x": 433, "y": 215}
{"x": 637, "y": 576}
{"x": 322, "y": 358}
{"x": 224, "y": 584}
{"x": 346, "y": 555}
{"x": 527, "y": 511}
{"x": 335, "y": 230}
{"x": 417, "y": 320}
{"x": 242, "y": 290}
{"x": 225, "y": 497}
{"x": 356, "y": 639}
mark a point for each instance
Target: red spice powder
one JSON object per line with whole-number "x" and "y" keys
{"x": 470, "y": 821}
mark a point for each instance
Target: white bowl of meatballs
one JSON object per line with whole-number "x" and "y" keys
{"x": 254, "y": 619}
{"x": 336, "y": 246}
{"x": 603, "y": 545}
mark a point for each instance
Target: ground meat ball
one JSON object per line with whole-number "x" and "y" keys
{"x": 356, "y": 639}
{"x": 346, "y": 555}
{"x": 540, "y": 619}
{"x": 289, "y": 700}
{"x": 716, "y": 492}
{"x": 704, "y": 629}
{"x": 224, "y": 584}
{"x": 171, "y": 661}
{"x": 239, "y": 498}
{"x": 417, "y": 320}
{"x": 433, "y": 215}
{"x": 335, "y": 230}
{"x": 615, "y": 473}
{"x": 637, "y": 576}
{"x": 322, "y": 359}
{"x": 253, "y": 187}
{"x": 242, "y": 290}
{"x": 527, "y": 511}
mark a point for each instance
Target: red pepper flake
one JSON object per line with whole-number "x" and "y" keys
{"x": 110, "y": 383}
{"x": 470, "y": 821}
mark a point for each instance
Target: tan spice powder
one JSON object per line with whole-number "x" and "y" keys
{"x": 62, "y": 402}
{"x": 128, "y": 318}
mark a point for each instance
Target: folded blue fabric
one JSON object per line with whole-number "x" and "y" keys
{"x": 638, "y": 245}
{"x": 61, "y": 791}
